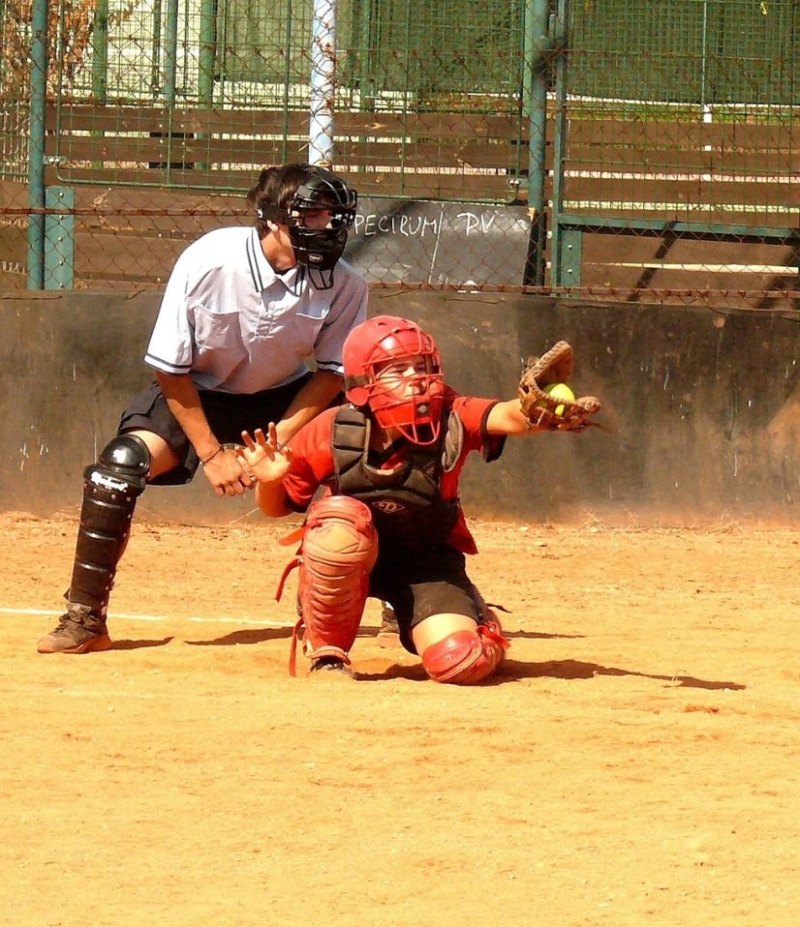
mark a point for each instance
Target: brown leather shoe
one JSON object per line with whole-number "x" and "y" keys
{"x": 77, "y": 631}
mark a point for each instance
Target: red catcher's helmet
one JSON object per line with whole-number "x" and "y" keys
{"x": 414, "y": 407}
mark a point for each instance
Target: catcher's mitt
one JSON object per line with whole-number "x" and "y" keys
{"x": 554, "y": 366}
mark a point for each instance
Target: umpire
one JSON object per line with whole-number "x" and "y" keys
{"x": 242, "y": 310}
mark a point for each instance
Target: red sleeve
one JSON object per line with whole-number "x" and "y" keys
{"x": 473, "y": 413}
{"x": 312, "y": 460}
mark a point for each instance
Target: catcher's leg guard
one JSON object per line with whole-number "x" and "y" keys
{"x": 466, "y": 657}
{"x": 110, "y": 490}
{"x": 339, "y": 550}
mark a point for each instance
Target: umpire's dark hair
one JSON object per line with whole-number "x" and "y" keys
{"x": 275, "y": 187}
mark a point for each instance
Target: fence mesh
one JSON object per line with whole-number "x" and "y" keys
{"x": 680, "y": 159}
{"x": 649, "y": 150}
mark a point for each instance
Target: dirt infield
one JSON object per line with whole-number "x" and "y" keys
{"x": 636, "y": 761}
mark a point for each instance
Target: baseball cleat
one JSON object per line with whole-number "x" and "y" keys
{"x": 389, "y": 631}
{"x": 331, "y": 665}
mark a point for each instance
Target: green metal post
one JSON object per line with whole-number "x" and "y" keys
{"x": 535, "y": 105}
{"x": 100, "y": 61}
{"x": 170, "y": 72}
{"x": 155, "y": 57}
{"x": 171, "y": 52}
{"x": 36, "y": 197}
{"x": 565, "y": 269}
{"x": 59, "y": 239}
{"x": 208, "y": 53}
{"x": 100, "y": 51}
{"x": 367, "y": 52}
{"x": 208, "y": 50}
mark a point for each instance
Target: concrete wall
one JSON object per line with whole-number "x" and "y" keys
{"x": 703, "y": 407}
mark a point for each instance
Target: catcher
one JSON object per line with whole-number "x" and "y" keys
{"x": 378, "y": 478}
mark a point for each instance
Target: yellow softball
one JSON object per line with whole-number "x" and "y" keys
{"x": 560, "y": 391}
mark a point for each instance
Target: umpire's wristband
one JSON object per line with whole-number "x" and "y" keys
{"x": 211, "y": 456}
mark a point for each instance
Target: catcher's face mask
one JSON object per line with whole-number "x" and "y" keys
{"x": 318, "y": 217}
{"x": 392, "y": 366}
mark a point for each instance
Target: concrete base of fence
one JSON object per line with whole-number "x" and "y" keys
{"x": 703, "y": 408}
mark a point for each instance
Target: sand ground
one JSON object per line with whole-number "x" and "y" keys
{"x": 635, "y": 762}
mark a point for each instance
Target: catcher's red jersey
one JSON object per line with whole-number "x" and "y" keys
{"x": 312, "y": 460}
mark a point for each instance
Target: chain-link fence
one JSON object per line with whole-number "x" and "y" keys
{"x": 643, "y": 151}
{"x": 681, "y": 148}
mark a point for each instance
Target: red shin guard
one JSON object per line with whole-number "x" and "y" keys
{"x": 339, "y": 550}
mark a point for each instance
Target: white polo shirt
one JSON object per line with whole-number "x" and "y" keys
{"x": 238, "y": 327}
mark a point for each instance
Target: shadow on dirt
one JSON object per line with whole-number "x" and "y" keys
{"x": 540, "y": 636}
{"x": 141, "y": 645}
{"x": 260, "y": 635}
{"x": 250, "y": 636}
{"x": 555, "y": 669}
{"x": 576, "y": 669}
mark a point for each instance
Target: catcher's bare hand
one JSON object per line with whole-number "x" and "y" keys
{"x": 266, "y": 457}
{"x": 543, "y": 411}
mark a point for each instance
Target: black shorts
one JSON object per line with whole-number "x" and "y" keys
{"x": 228, "y": 415}
{"x": 418, "y": 587}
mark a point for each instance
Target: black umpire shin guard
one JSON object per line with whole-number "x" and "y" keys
{"x": 110, "y": 490}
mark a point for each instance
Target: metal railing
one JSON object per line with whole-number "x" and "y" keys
{"x": 644, "y": 151}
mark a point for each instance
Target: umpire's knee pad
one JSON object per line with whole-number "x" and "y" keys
{"x": 122, "y": 466}
{"x": 465, "y": 657}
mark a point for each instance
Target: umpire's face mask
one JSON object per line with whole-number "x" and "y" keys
{"x": 318, "y": 250}
{"x": 318, "y": 218}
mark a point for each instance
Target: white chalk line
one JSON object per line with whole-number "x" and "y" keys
{"x": 122, "y": 616}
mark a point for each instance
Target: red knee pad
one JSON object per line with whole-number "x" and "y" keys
{"x": 465, "y": 657}
{"x": 339, "y": 550}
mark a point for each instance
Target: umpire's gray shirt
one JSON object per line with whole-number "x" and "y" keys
{"x": 238, "y": 327}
